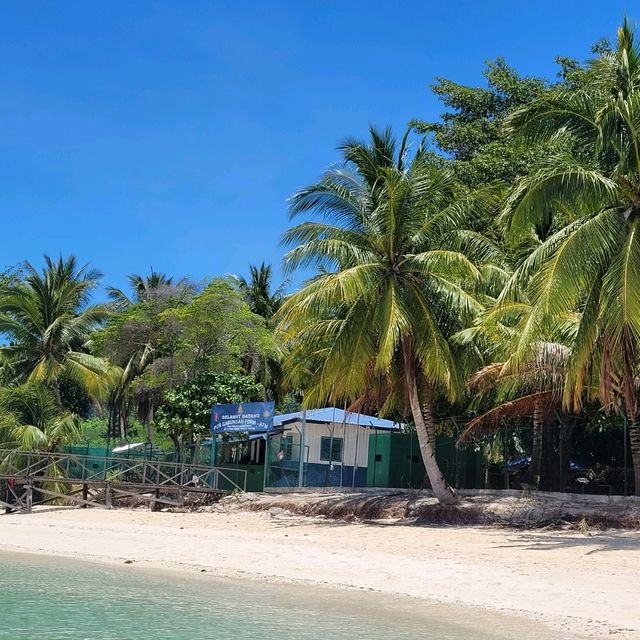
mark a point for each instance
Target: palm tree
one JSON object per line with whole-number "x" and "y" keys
{"x": 31, "y": 418}
{"x": 393, "y": 262}
{"x": 47, "y": 320}
{"x": 258, "y": 290}
{"x": 120, "y": 394}
{"x": 264, "y": 301}
{"x": 529, "y": 385}
{"x": 592, "y": 264}
{"x": 145, "y": 287}
{"x": 534, "y": 390}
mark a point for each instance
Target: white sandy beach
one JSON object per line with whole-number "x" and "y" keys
{"x": 582, "y": 584}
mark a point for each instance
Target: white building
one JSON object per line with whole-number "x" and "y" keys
{"x": 335, "y": 444}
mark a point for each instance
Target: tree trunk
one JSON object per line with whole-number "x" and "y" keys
{"x": 426, "y": 430}
{"x": 149, "y": 425}
{"x": 634, "y": 440}
{"x": 533, "y": 472}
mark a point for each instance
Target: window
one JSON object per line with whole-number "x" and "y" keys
{"x": 331, "y": 444}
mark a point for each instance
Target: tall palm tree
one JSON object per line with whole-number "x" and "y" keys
{"x": 264, "y": 301}
{"x": 145, "y": 287}
{"x": 258, "y": 290}
{"x": 394, "y": 271}
{"x": 592, "y": 264}
{"x": 47, "y": 319}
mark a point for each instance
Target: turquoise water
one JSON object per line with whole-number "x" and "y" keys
{"x": 55, "y": 599}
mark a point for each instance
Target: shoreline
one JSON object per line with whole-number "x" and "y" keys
{"x": 573, "y": 583}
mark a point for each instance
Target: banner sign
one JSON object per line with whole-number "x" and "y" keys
{"x": 248, "y": 417}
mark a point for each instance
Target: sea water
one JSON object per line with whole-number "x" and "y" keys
{"x": 55, "y": 599}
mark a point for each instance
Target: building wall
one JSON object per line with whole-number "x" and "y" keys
{"x": 355, "y": 448}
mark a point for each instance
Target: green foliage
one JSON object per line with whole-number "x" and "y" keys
{"x": 471, "y": 130}
{"x": 169, "y": 338}
{"x": 258, "y": 291}
{"x": 216, "y": 331}
{"x": 153, "y": 286}
{"x": 186, "y": 411}
{"x": 95, "y": 432}
{"x": 591, "y": 265}
{"x": 397, "y": 265}
{"x": 47, "y": 320}
{"x": 11, "y": 275}
{"x": 31, "y": 418}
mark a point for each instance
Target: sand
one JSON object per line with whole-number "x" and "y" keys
{"x": 583, "y": 584}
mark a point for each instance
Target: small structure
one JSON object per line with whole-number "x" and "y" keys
{"x": 334, "y": 445}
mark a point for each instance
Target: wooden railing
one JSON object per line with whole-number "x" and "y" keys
{"x": 36, "y": 468}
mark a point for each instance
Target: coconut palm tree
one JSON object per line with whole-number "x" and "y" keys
{"x": 264, "y": 301}
{"x": 258, "y": 290}
{"x": 519, "y": 387}
{"x": 533, "y": 391}
{"x": 592, "y": 264}
{"x": 145, "y": 287}
{"x": 394, "y": 276}
{"x": 31, "y": 418}
{"x": 47, "y": 319}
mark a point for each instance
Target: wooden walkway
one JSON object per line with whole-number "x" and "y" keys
{"x": 96, "y": 481}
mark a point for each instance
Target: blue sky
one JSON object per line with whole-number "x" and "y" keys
{"x": 171, "y": 133}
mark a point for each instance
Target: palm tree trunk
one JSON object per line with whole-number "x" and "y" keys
{"x": 426, "y": 430}
{"x": 533, "y": 472}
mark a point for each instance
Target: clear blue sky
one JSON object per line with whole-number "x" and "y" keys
{"x": 171, "y": 133}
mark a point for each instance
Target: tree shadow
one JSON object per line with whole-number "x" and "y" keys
{"x": 601, "y": 542}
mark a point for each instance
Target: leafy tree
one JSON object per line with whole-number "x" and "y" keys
{"x": 164, "y": 342}
{"x": 471, "y": 131}
{"x": 186, "y": 411}
{"x": 11, "y": 275}
{"x": 47, "y": 320}
{"x": 395, "y": 268}
{"x": 216, "y": 331}
{"x": 138, "y": 342}
{"x": 593, "y": 263}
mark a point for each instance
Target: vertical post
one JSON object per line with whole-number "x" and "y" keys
{"x": 355, "y": 454}
{"x": 375, "y": 454}
{"x": 107, "y": 496}
{"x": 85, "y": 494}
{"x": 302, "y": 445}
{"x": 455, "y": 459}
{"x": 561, "y": 456}
{"x": 214, "y": 448}
{"x": 506, "y": 457}
{"x": 624, "y": 430}
{"x": 266, "y": 461}
{"x": 29, "y": 497}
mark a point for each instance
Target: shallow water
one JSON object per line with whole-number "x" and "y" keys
{"x": 45, "y": 598}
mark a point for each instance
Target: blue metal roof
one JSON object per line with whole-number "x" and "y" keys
{"x": 339, "y": 416}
